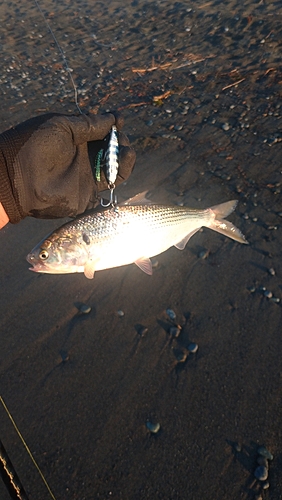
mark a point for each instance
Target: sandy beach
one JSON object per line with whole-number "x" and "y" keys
{"x": 200, "y": 88}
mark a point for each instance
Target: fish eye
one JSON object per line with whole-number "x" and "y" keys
{"x": 43, "y": 255}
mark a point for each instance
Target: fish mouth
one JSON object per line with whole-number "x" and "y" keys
{"x": 42, "y": 267}
{"x": 36, "y": 266}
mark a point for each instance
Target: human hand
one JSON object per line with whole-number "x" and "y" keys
{"x": 4, "y": 219}
{"x": 46, "y": 165}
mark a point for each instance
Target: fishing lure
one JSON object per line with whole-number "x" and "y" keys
{"x": 112, "y": 164}
{"x": 112, "y": 157}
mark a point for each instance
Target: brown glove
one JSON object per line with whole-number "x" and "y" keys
{"x": 46, "y": 165}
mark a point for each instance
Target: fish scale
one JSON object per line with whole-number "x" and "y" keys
{"x": 102, "y": 224}
{"x": 125, "y": 234}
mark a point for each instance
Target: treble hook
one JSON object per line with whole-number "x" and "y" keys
{"x": 113, "y": 198}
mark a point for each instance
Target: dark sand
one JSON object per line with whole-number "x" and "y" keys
{"x": 84, "y": 419}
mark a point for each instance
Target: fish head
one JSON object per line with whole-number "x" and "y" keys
{"x": 58, "y": 254}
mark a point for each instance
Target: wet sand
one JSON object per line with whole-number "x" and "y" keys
{"x": 81, "y": 388}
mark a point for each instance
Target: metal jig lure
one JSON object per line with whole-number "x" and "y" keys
{"x": 111, "y": 157}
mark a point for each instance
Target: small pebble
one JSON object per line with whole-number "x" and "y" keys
{"x": 265, "y": 485}
{"x": 193, "y": 347}
{"x": 178, "y": 127}
{"x": 264, "y": 452}
{"x": 268, "y": 294}
{"x": 175, "y": 331}
{"x": 84, "y": 309}
{"x": 237, "y": 447}
{"x": 182, "y": 357}
{"x": 276, "y": 300}
{"x": 153, "y": 428}
{"x": 120, "y": 313}
{"x": 226, "y": 126}
{"x": 65, "y": 356}
{"x": 262, "y": 461}
{"x": 203, "y": 254}
{"x": 142, "y": 331}
{"x": 149, "y": 123}
{"x": 171, "y": 314}
{"x": 252, "y": 289}
{"x": 271, "y": 271}
{"x": 261, "y": 473}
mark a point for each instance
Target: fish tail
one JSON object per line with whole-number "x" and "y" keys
{"x": 224, "y": 226}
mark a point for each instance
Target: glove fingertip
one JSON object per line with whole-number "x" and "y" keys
{"x": 127, "y": 161}
{"x": 119, "y": 119}
{"x": 123, "y": 140}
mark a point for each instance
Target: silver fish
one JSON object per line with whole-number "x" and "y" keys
{"x": 126, "y": 233}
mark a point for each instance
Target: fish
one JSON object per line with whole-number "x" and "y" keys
{"x": 130, "y": 232}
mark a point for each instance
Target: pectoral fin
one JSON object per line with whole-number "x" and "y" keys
{"x": 145, "y": 265}
{"x": 89, "y": 269}
{"x": 182, "y": 243}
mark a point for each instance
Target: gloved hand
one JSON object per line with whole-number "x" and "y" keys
{"x": 46, "y": 165}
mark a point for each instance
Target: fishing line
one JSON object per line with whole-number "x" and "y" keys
{"x": 62, "y": 54}
{"x": 27, "y": 448}
{"x": 113, "y": 148}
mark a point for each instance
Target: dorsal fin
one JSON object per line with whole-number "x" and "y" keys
{"x": 138, "y": 199}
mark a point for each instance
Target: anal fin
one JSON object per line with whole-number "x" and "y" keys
{"x": 145, "y": 265}
{"x": 182, "y": 243}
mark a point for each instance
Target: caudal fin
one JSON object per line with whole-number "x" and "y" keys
{"x": 224, "y": 226}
